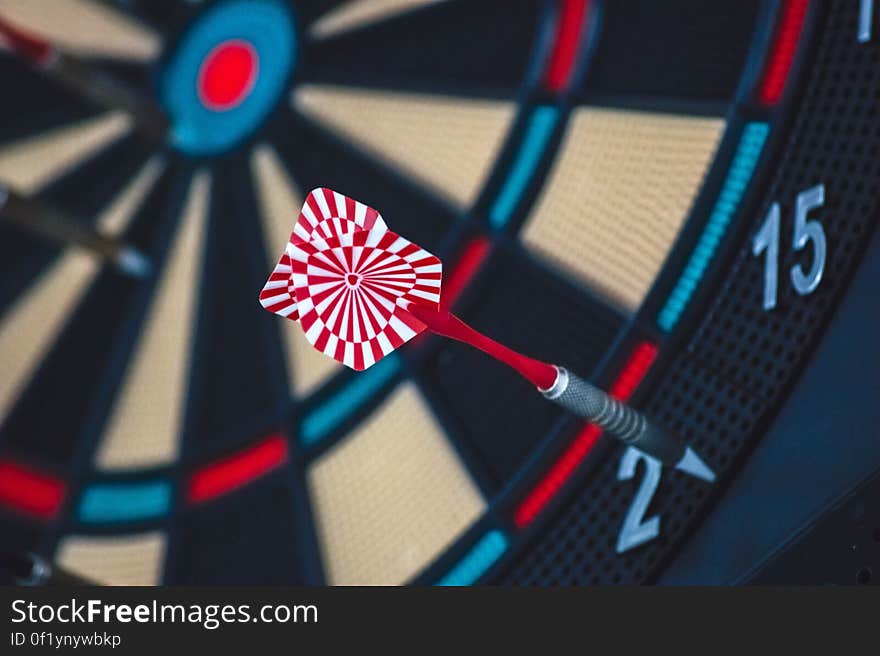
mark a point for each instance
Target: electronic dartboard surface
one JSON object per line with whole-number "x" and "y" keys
{"x": 676, "y": 199}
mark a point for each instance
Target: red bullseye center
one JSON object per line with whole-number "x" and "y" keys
{"x": 227, "y": 75}
{"x": 353, "y": 279}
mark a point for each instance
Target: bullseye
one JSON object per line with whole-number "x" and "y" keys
{"x": 227, "y": 75}
{"x": 353, "y": 279}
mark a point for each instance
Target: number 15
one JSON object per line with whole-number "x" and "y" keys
{"x": 805, "y": 231}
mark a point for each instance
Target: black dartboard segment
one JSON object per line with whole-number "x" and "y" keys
{"x": 712, "y": 42}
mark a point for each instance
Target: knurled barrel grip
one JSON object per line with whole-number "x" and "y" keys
{"x": 633, "y": 428}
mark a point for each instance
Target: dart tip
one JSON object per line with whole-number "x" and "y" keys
{"x": 134, "y": 263}
{"x": 694, "y": 465}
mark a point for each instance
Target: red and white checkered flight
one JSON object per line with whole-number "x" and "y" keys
{"x": 347, "y": 278}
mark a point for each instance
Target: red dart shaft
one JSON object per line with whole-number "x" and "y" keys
{"x": 27, "y": 45}
{"x": 446, "y": 324}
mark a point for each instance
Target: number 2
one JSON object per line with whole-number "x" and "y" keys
{"x": 636, "y": 529}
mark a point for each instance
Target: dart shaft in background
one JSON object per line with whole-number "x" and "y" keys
{"x": 86, "y": 80}
{"x": 47, "y": 222}
{"x": 104, "y": 90}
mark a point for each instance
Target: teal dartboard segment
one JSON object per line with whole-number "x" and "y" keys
{"x": 477, "y": 561}
{"x": 534, "y": 143}
{"x": 742, "y": 167}
{"x": 124, "y": 502}
{"x": 321, "y": 421}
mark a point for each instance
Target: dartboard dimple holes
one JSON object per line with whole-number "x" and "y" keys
{"x": 741, "y": 358}
{"x": 680, "y": 404}
{"x": 838, "y": 134}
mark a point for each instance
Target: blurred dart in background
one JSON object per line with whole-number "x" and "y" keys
{"x": 41, "y": 219}
{"x": 86, "y": 79}
{"x": 360, "y": 291}
{"x": 97, "y": 86}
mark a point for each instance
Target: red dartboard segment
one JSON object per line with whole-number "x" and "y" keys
{"x": 350, "y": 290}
{"x": 325, "y": 214}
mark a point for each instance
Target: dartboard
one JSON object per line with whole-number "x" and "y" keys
{"x": 677, "y": 200}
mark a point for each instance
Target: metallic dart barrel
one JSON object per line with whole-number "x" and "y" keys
{"x": 102, "y": 89}
{"x": 41, "y": 219}
{"x": 632, "y": 427}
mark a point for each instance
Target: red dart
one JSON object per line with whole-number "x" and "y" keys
{"x": 360, "y": 291}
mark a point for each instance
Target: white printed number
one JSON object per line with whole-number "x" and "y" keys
{"x": 806, "y": 231}
{"x": 866, "y": 18}
{"x": 636, "y": 529}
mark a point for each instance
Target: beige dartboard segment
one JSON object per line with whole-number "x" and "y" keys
{"x": 391, "y": 496}
{"x": 354, "y": 15}
{"x": 447, "y": 143}
{"x": 145, "y": 422}
{"x": 618, "y": 194}
{"x": 29, "y": 164}
{"x": 30, "y": 326}
{"x": 83, "y": 27}
{"x": 134, "y": 559}
{"x": 116, "y": 217}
